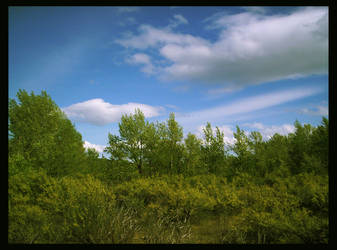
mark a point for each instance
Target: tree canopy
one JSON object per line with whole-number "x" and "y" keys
{"x": 42, "y": 136}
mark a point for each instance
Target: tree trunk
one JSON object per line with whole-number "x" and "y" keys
{"x": 258, "y": 237}
{"x": 140, "y": 167}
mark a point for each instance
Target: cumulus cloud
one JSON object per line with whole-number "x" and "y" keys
{"x": 268, "y": 131}
{"x": 98, "y": 112}
{"x": 98, "y": 148}
{"x": 252, "y": 48}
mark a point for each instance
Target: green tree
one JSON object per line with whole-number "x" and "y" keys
{"x": 206, "y": 147}
{"x": 242, "y": 150}
{"x": 132, "y": 134}
{"x": 151, "y": 149}
{"x": 162, "y": 158}
{"x": 299, "y": 147}
{"x": 213, "y": 149}
{"x": 93, "y": 161}
{"x": 193, "y": 154}
{"x": 175, "y": 149}
{"x": 118, "y": 167}
{"x": 320, "y": 146}
{"x": 273, "y": 160}
{"x": 41, "y": 134}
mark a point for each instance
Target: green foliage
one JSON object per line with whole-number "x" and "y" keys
{"x": 27, "y": 221}
{"x": 167, "y": 195}
{"x": 43, "y": 136}
{"x": 157, "y": 187}
{"x": 164, "y": 229}
{"x": 68, "y": 210}
{"x": 192, "y": 154}
{"x": 213, "y": 150}
{"x": 241, "y": 148}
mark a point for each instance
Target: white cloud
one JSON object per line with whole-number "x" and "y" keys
{"x": 154, "y": 37}
{"x": 246, "y": 105}
{"x": 144, "y": 60}
{"x": 98, "y": 148}
{"x": 319, "y": 110}
{"x": 252, "y": 48}
{"x": 98, "y": 112}
{"x": 268, "y": 131}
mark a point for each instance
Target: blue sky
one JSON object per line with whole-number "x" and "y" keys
{"x": 257, "y": 67}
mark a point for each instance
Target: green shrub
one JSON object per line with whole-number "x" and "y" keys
{"x": 27, "y": 221}
{"x": 169, "y": 229}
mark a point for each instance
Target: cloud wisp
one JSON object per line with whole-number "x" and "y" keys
{"x": 178, "y": 20}
{"x": 127, "y": 9}
{"x": 98, "y": 112}
{"x": 318, "y": 110}
{"x": 246, "y": 105}
{"x": 252, "y": 48}
{"x": 268, "y": 131}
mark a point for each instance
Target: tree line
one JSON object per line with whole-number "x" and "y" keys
{"x": 41, "y": 136}
{"x": 54, "y": 179}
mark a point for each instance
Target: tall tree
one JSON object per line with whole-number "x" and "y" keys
{"x": 213, "y": 149}
{"x": 193, "y": 154}
{"x": 320, "y": 145}
{"x": 242, "y": 150}
{"x": 175, "y": 135}
{"x": 41, "y": 134}
{"x": 151, "y": 149}
{"x": 299, "y": 147}
{"x": 132, "y": 132}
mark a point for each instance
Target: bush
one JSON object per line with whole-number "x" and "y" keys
{"x": 27, "y": 221}
{"x": 68, "y": 210}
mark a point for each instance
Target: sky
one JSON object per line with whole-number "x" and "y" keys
{"x": 260, "y": 68}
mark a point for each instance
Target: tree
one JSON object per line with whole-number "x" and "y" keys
{"x": 162, "y": 156}
{"x": 193, "y": 154}
{"x": 299, "y": 147}
{"x": 320, "y": 145}
{"x": 151, "y": 149}
{"x": 242, "y": 150}
{"x": 116, "y": 148}
{"x": 41, "y": 134}
{"x": 132, "y": 133}
{"x": 213, "y": 149}
{"x": 175, "y": 135}
{"x": 275, "y": 156}
{"x": 206, "y": 147}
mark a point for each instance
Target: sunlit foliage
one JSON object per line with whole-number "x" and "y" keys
{"x": 158, "y": 187}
